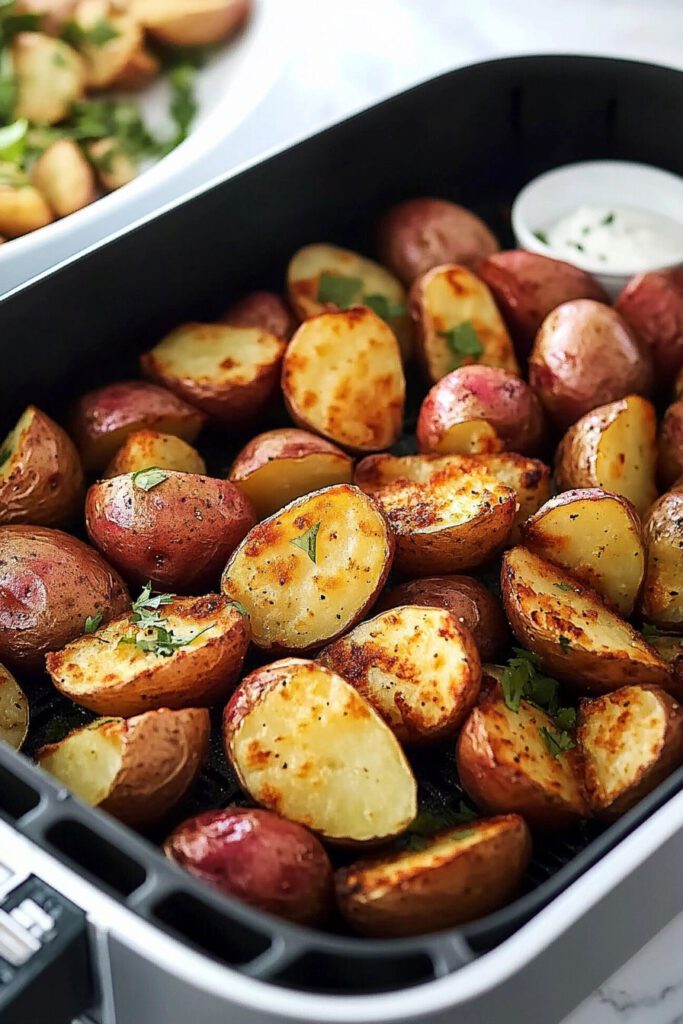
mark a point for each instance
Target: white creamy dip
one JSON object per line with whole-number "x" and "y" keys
{"x": 621, "y": 239}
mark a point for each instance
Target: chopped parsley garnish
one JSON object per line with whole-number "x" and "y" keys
{"x": 153, "y": 636}
{"x": 308, "y": 541}
{"x": 541, "y": 236}
{"x": 338, "y": 290}
{"x": 608, "y": 219}
{"x": 183, "y": 108}
{"x": 565, "y": 718}
{"x": 97, "y": 35}
{"x": 522, "y": 681}
{"x": 565, "y": 644}
{"x": 13, "y": 141}
{"x": 240, "y": 608}
{"x": 383, "y": 307}
{"x": 93, "y": 622}
{"x": 146, "y": 479}
{"x": 563, "y": 586}
{"x": 556, "y": 742}
{"x": 576, "y": 245}
{"x": 462, "y": 341}
{"x": 428, "y": 823}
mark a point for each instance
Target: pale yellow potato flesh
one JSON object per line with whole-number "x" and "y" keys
{"x": 219, "y": 354}
{"x": 22, "y": 210}
{"x": 148, "y": 448}
{"x": 14, "y": 711}
{"x": 471, "y": 437}
{"x": 276, "y": 483}
{"x": 64, "y": 177}
{"x": 88, "y": 760}
{"x": 50, "y": 75}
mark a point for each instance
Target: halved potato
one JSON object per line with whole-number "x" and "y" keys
{"x": 281, "y": 465}
{"x": 135, "y": 769}
{"x": 49, "y": 76}
{"x": 114, "y": 167}
{"x": 41, "y": 479}
{"x": 335, "y": 767}
{"x": 22, "y": 209}
{"x": 190, "y": 22}
{"x": 448, "y": 513}
{"x": 597, "y": 537}
{"x": 577, "y": 638}
{"x": 529, "y": 479}
{"x": 322, "y": 278}
{"x": 14, "y": 712}
{"x": 311, "y": 571}
{"x": 64, "y": 177}
{"x": 630, "y": 740}
{"x": 230, "y": 372}
{"x": 416, "y": 666}
{"x": 191, "y": 657}
{"x": 342, "y": 377}
{"x": 663, "y": 591}
{"x": 113, "y": 58}
{"x": 146, "y": 448}
{"x": 450, "y": 879}
{"x": 458, "y": 323}
{"x": 612, "y": 447}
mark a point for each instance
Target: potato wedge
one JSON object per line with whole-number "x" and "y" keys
{"x": 41, "y": 479}
{"x": 336, "y": 768}
{"x": 416, "y": 666}
{"x": 22, "y": 209}
{"x": 577, "y": 638}
{"x": 147, "y": 448}
{"x": 323, "y": 278}
{"x": 191, "y": 22}
{"x": 49, "y": 76}
{"x": 459, "y": 875}
{"x": 14, "y": 711}
{"x": 597, "y": 537}
{"x": 114, "y": 167}
{"x": 670, "y": 445}
{"x": 612, "y": 447}
{"x": 281, "y": 465}
{"x": 231, "y": 373}
{"x": 342, "y": 378}
{"x": 114, "y": 59}
{"x": 311, "y": 571}
{"x": 135, "y": 769}
{"x": 457, "y": 323}
{"x": 630, "y": 740}
{"x": 127, "y": 666}
{"x": 64, "y": 177}
{"x": 663, "y": 591}
{"x": 266, "y": 310}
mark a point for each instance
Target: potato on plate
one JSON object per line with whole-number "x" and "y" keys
{"x": 458, "y": 323}
{"x": 470, "y": 603}
{"x": 652, "y": 304}
{"x": 64, "y": 177}
{"x": 662, "y": 602}
{"x": 49, "y": 75}
{"x": 528, "y": 286}
{"x": 614, "y": 448}
{"x": 670, "y": 445}
{"x": 323, "y": 278}
{"x": 50, "y": 584}
{"x": 112, "y": 58}
{"x": 480, "y": 409}
{"x": 575, "y": 635}
{"x": 191, "y": 22}
{"x": 41, "y": 479}
{"x": 597, "y": 537}
{"x": 14, "y": 711}
{"x": 230, "y": 373}
{"x": 584, "y": 356}
{"x": 452, "y": 878}
{"x": 418, "y": 234}
{"x": 266, "y": 310}
{"x": 168, "y": 652}
{"x": 342, "y": 377}
{"x": 280, "y": 465}
{"x": 148, "y": 448}
{"x": 175, "y": 529}
{"x": 135, "y": 769}
{"x": 519, "y": 760}
{"x": 102, "y": 419}
{"x": 259, "y": 857}
{"x": 22, "y": 209}
{"x": 311, "y": 571}
{"x": 448, "y": 513}
{"x": 630, "y": 740}
{"x": 416, "y": 666}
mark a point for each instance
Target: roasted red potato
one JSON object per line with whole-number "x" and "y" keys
{"x": 652, "y": 304}
{"x": 175, "y": 529}
{"x": 259, "y": 857}
{"x": 265, "y": 310}
{"x": 147, "y": 449}
{"x": 190, "y": 22}
{"x": 336, "y": 768}
{"x": 670, "y": 445}
{"x": 14, "y": 711}
{"x": 662, "y": 602}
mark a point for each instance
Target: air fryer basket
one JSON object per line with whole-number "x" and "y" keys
{"x": 476, "y": 136}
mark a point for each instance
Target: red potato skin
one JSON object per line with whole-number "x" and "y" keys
{"x": 528, "y": 286}
{"x": 483, "y": 392}
{"x": 422, "y": 233}
{"x": 259, "y": 857}
{"x": 670, "y": 456}
{"x": 585, "y": 356}
{"x": 285, "y": 443}
{"x": 652, "y": 304}
{"x": 179, "y": 535}
{"x": 265, "y": 310}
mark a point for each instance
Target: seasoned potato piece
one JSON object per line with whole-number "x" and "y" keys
{"x": 630, "y": 740}
{"x": 322, "y": 278}
{"x": 663, "y": 591}
{"x": 652, "y": 304}
{"x": 311, "y": 571}
{"x": 342, "y": 377}
{"x": 14, "y": 713}
{"x": 281, "y": 465}
{"x": 335, "y": 768}
{"x": 231, "y": 373}
{"x": 190, "y": 22}
{"x": 64, "y": 177}
{"x": 147, "y": 448}
{"x": 455, "y": 877}
{"x": 597, "y": 537}
{"x": 416, "y": 666}
{"x": 114, "y": 167}
{"x": 114, "y": 59}
{"x": 22, "y": 209}
{"x": 49, "y": 76}
{"x": 190, "y": 656}
{"x": 41, "y": 480}
{"x": 529, "y": 479}
{"x": 612, "y": 447}
{"x": 266, "y": 310}
{"x": 670, "y": 445}
{"x": 577, "y": 638}
{"x": 458, "y": 323}
{"x": 136, "y": 769}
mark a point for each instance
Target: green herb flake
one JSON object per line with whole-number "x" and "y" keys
{"x": 649, "y": 631}
{"x": 462, "y": 341}
{"x": 557, "y": 743}
{"x": 240, "y": 608}
{"x": 146, "y": 479}
{"x": 338, "y": 290}
{"x": 93, "y": 622}
{"x": 565, "y": 718}
{"x": 308, "y": 541}
{"x": 565, "y": 644}
{"x": 96, "y": 35}
{"x": 563, "y": 586}
{"x": 413, "y": 842}
{"x": 576, "y": 245}
{"x": 13, "y": 141}
{"x": 464, "y": 833}
{"x": 542, "y": 237}
{"x": 383, "y": 307}
{"x": 5, "y": 456}
{"x": 608, "y": 219}
{"x": 183, "y": 107}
